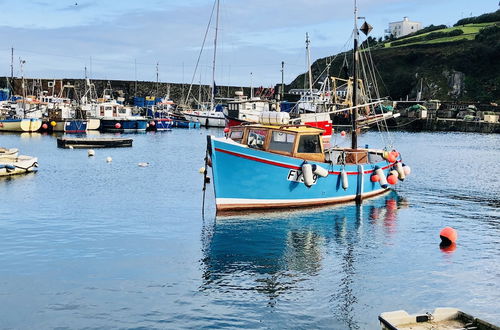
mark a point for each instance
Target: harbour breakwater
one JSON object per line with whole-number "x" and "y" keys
{"x": 444, "y": 125}
{"x": 76, "y": 88}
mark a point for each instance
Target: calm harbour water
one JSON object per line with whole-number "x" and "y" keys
{"x": 90, "y": 244}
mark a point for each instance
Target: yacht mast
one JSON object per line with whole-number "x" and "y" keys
{"x": 212, "y": 99}
{"x": 309, "y": 64}
{"x": 354, "y": 113}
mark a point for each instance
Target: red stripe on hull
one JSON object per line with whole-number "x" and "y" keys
{"x": 270, "y": 162}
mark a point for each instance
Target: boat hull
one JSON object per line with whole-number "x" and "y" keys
{"x": 70, "y": 126}
{"x": 18, "y": 165}
{"x": 124, "y": 125}
{"x": 93, "y": 123}
{"x": 20, "y": 125}
{"x": 207, "y": 119}
{"x": 246, "y": 179}
{"x": 160, "y": 124}
{"x": 177, "y": 123}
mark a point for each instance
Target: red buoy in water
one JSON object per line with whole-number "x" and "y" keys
{"x": 118, "y": 125}
{"x": 375, "y": 178}
{"x": 448, "y": 236}
{"x": 342, "y": 133}
{"x": 392, "y": 179}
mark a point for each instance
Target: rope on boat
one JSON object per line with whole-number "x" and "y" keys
{"x": 402, "y": 125}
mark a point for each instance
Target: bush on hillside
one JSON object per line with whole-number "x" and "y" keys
{"x": 430, "y": 36}
{"x": 485, "y": 18}
{"x": 489, "y": 34}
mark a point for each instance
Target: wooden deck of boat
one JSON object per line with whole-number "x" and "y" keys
{"x": 93, "y": 142}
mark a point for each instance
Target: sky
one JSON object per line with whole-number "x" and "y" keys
{"x": 129, "y": 39}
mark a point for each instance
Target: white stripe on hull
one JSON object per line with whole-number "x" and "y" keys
{"x": 229, "y": 204}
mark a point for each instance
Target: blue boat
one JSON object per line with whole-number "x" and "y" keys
{"x": 124, "y": 125}
{"x": 265, "y": 166}
{"x": 69, "y": 125}
{"x": 182, "y": 123}
{"x": 272, "y": 165}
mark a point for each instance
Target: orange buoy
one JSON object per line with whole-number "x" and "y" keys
{"x": 391, "y": 158}
{"x": 375, "y": 178}
{"x": 392, "y": 179}
{"x": 226, "y": 130}
{"x": 448, "y": 236}
{"x": 395, "y": 153}
{"x": 44, "y": 126}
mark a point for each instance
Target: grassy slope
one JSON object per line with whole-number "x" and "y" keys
{"x": 470, "y": 31}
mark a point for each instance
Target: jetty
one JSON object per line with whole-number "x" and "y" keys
{"x": 93, "y": 142}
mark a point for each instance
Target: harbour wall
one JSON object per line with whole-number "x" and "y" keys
{"x": 120, "y": 88}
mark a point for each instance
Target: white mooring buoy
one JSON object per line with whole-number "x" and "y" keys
{"x": 109, "y": 159}
{"x": 90, "y": 152}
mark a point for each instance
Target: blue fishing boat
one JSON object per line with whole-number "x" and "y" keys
{"x": 274, "y": 165}
{"x": 124, "y": 125}
{"x": 116, "y": 117}
{"x": 269, "y": 166}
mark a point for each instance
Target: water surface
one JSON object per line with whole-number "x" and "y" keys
{"x": 90, "y": 244}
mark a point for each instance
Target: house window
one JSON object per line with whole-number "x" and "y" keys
{"x": 309, "y": 144}
{"x": 281, "y": 141}
{"x": 257, "y": 138}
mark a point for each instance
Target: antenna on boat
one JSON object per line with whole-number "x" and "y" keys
{"x": 282, "y": 80}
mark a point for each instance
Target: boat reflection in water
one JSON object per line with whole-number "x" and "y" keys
{"x": 273, "y": 254}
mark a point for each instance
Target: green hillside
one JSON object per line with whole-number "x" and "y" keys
{"x": 468, "y": 32}
{"x": 463, "y": 66}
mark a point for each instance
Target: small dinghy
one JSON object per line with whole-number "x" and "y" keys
{"x": 17, "y": 165}
{"x": 440, "y": 319}
{"x": 4, "y": 152}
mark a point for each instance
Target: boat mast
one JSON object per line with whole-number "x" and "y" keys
{"x": 21, "y": 63}
{"x": 354, "y": 113}
{"x": 212, "y": 99}
{"x": 309, "y": 64}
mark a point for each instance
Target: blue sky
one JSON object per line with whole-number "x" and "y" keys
{"x": 124, "y": 39}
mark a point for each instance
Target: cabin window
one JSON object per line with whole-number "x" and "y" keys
{"x": 236, "y": 136}
{"x": 309, "y": 144}
{"x": 257, "y": 138}
{"x": 281, "y": 141}
{"x": 122, "y": 110}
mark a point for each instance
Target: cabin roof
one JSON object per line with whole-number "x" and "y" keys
{"x": 290, "y": 128}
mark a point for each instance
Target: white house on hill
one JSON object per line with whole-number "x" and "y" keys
{"x": 404, "y": 27}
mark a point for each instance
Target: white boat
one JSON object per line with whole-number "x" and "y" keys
{"x": 208, "y": 118}
{"x": 17, "y": 165}
{"x": 20, "y": 125}
{"x": 441, "y": 318}
{"x": 12, "y": 152}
